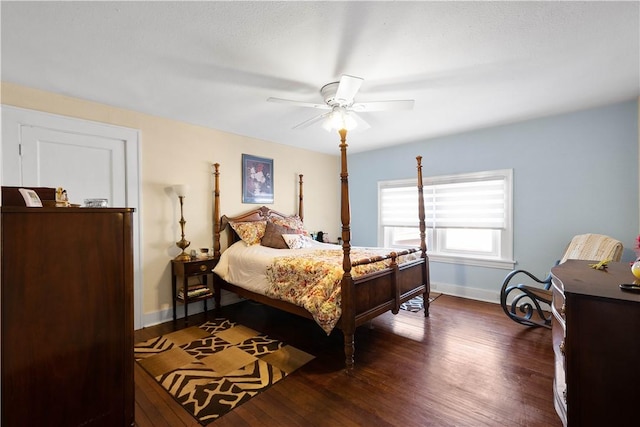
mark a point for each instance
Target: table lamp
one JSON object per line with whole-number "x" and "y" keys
{"x": 181, "y": 191}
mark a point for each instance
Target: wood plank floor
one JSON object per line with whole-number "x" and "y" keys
{"x": 465, "y": 365}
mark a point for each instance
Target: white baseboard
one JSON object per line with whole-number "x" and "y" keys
{"x": 166, "y": 315}
{"x": 474, "y": 293}
{"x": 466, "y": 292}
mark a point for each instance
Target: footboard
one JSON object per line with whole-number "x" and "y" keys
{"x": 373, "y": 294}
{"x": 385, "y": 290}
{"x": 362, "y": 299}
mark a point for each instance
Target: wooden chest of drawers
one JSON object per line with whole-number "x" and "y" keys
{"x": 596, "y": 342}
{"x": 67, "y": 317}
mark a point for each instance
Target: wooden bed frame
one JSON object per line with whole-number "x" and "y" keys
{"x": 362, "y": 298}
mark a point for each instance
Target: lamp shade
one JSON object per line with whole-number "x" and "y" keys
{"x": 339, "y": 118}
{"x": 181, "y": 190}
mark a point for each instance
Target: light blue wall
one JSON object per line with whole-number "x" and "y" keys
{"x": 573, "y": 173}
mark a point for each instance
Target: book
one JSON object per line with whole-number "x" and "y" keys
{"x": 195, "y": 291}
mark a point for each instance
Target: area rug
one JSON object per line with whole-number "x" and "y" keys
{"x": 417, "y": 303}
{"x": 215, "y": 367}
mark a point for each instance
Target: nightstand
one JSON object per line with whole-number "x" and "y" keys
{"x": 185, "y": 270}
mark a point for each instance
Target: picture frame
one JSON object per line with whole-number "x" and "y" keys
{"x": 257, "y": 179}
{"x": 31, "y": 198}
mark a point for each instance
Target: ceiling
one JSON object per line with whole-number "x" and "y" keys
{"x": 467, "y": 65}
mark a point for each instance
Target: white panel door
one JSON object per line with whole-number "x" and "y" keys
{"x": 87, "y": 166}
{"x": 91, "y": 160}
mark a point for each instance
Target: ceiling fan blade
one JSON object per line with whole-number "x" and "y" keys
{"x": 299, "y": 103}
{"x": 365, "y": 107}
{"x": 311, "y": 121}
{"x": 347, "y": 89}
{"x": 362, "y": 123}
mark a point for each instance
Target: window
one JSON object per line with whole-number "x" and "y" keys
{"x": 468, "y": 217}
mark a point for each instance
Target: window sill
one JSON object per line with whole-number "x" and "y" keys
{"x": 476, "y": 262}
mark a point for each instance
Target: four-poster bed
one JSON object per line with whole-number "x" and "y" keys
{"x": 365, "y": 287}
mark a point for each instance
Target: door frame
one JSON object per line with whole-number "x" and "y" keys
{"x": 14, "y": 118}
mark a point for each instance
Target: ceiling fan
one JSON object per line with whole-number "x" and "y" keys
{"x": 339, "y": 100}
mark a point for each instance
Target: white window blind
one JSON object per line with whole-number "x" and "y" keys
{"x": 399, "y": 205}
{"x": 471, "y": 204}
{"x": 480, "y": 201}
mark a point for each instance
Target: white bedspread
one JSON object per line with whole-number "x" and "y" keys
{"x": 250, "y": 263}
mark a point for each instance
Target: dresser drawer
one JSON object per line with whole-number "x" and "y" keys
{"x": 558, "y": 336}
{"x": 558, "y": 305}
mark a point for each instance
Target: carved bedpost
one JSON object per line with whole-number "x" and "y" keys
{"x": 423, "y": 243}
{"x": 300, "y": 200}
{"x": 348, "y": 309}
{"x": 216, "y": 211}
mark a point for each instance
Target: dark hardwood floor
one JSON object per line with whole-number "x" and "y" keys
{"x": 465, "y": 365}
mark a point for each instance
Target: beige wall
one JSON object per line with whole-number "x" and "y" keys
{"x": 174, "y": 152}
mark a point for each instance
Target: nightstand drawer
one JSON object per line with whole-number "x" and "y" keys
{"x": 199, "y": 267}
{"x": 194, "y": 268}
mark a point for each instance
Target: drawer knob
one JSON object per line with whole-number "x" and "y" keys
{"x": 203, "y": 267}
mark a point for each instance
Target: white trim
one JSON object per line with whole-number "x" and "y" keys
{"x": 466, "y": 292}
{"x": 13, "y": 118}
{"x": 166, "y": 315}
{"x": 473, "y": 293}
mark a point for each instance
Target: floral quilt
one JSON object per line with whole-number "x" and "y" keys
{"x": 312, "y": 280}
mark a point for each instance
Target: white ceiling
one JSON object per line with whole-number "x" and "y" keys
{"x": 468, "y": 65}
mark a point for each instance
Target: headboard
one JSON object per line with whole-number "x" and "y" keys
{"x": 260, "y": 214}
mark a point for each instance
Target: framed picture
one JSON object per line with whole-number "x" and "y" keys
{"x": 31, "y": 198}
{"x": 257, "y": 179}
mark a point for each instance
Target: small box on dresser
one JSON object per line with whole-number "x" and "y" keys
{"x": 596, "y": 339}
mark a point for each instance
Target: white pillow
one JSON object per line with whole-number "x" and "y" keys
{"x": 296, "y": 241}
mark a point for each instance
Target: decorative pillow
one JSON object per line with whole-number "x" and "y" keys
{"x": 251, "y": 231}
{"x": 292, "y": 222}
{"x": 296, "y": 241}
{"x": 273, "y": 236}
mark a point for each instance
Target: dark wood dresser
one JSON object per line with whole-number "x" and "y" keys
{"x": 596, "y": 341}
{"x": 67, "y": 317}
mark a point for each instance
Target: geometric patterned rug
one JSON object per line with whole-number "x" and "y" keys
{"x": 215, "y": 367}
{"x": 416, "y": 304}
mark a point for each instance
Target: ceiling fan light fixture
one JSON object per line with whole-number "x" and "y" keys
{"x": 339, "y": 118}
{"x": 339, "y": 99}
